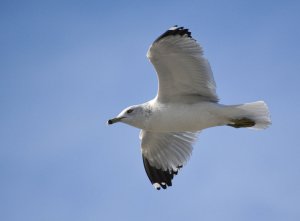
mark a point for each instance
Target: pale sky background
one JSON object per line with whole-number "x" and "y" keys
{"x": 68, "y": 66}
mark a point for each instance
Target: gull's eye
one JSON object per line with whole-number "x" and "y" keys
{"x": 129, "y": 111}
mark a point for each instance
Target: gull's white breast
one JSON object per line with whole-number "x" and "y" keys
{"x": 176, "y": 117}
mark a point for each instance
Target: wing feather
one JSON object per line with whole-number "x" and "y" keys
{"x": 184, "y": 74}
{"x": 164, "y": 153}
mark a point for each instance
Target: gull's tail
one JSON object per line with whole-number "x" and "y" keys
{"x": 252, "y": 115}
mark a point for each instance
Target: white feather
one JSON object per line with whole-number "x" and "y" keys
{"x": 182, "y": 70}
{"x": 257, "y": 111}
{"x": 167, "y": 151}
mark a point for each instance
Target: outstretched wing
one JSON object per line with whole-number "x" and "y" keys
{"x": 184, "y": 74}
{"x": 164, "y": 154}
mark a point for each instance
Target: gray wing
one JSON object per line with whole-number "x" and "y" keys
{"x": 183, "y": 73}
{"x": 164, "y": 153}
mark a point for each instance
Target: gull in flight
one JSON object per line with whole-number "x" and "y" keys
{"x": 185, "y": 104}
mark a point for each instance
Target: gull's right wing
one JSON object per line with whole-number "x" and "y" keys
{"x": 164, "y": 154}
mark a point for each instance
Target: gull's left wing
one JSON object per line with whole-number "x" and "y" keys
{"x": 164, "y": 154}
{"x": 184, "y": 75}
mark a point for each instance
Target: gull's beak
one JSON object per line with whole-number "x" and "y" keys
{"x": 114, "y": 120}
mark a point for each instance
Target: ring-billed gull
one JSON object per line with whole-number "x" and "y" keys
{"x": 185, "y": 104}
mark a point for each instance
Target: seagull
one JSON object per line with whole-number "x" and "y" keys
{"x": 185, "y": 104}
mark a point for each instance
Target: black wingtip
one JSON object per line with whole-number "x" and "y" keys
{"x": 159, "y": 178}
{"x": 175, "y": 30}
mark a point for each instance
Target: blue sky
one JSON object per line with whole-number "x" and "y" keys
{"x": 68, "y": 66}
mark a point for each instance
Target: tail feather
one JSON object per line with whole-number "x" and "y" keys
{"x": 257, "y": 111}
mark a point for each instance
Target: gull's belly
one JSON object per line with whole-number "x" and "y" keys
{"x": 190, "y": 117}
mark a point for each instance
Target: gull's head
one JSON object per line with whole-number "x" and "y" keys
{"x": 133, "y": 115}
